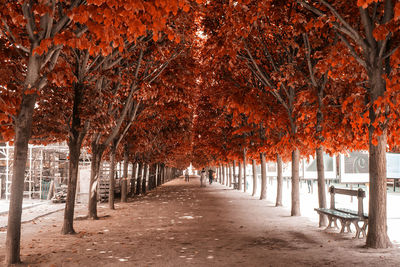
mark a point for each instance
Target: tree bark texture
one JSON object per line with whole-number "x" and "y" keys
{"x": 244, "y": 171}
{"x": 74, "y": 153}
{"x": 76, "y": 137}
{"x": 124, "y": 180}
{"x": 279, "y": 181}
{"x": 240, "y": 177}
{"x": 254, "y": 177}
{"x": 133, "y": 179}
{"x": 159, "y": 172}
{"x": 377, "y": 215}
{"x": 234, "y": 171}
{"x": 111, "y": 188}
{"x": 323, "y": 220}
{"x": 23, "y": 129}
{"x": 144, "y": 179}
{"x": 163, "y": 173}
{"x": 223, "y": 174}
{"x": 97, "y": 153}
{"x": 139, "y": 179}
{"x": 295, "y": 211}
{"x": 263, "y": 194}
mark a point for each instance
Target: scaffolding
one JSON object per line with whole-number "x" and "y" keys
{"x": 47, "y": 169}
{"x": 47, "y": 172}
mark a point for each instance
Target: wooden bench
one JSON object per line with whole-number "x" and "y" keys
{"x": 346, "y": 216}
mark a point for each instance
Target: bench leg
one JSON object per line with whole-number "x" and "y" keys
{"x": 364, "y": 228}
{"x": 332, "y": 219}
{"x": 345, "y": 225}
{"x": 336, "y": 226}
{"x": 360, "y": 230}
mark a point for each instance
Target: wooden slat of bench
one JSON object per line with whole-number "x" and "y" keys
{"x": 348, "y": 192}
{"x": 337, "y": 213}
{"x": 353, "y": 212}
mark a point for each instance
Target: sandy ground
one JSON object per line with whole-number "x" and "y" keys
{"x": 181, "y": 224}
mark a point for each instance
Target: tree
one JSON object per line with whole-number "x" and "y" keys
{"x": 40, "y": 30}
{"x": 374, "y": 47}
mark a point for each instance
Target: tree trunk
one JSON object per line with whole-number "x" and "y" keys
{"x": 74, "y": 153}
{"x": 124, "y": 180}
{"x": 23, "y": 129}
{"x": 377, "y": 218}
{"x": 146, "y": 166}
{"x": 244, "y": 171}
{"x": 76, "y": 137}
{"x": 279, "y": 180}
{"x": 159, "y": 174}
{"x": 240, "y": 187}
{"x": 219, "y": 174}
{"x": 152, "y": 177}
{"x": 97, "y": 153}
{"x": 263, "y": 194}
{"x": 162, "y": 173}
{"x": 230, "y": 175}
{"x": 323, "y": 220}
{"x": 254, "y": 177}
{"x": 295, "y": 183}
{"x": 133, "y": 179}
{"x": 111, "y": 188}
{"x": 234, "y": 171}
{"x": 139, "y": 179}
{"x": 223, "y": 178}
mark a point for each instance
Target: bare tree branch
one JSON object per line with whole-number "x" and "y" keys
{"x": 308, "y": 54}
{"x": 352, "y": 50}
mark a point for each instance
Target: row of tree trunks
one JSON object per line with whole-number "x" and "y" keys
{"x": 295, "y": 193}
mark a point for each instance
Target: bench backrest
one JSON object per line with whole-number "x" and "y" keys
{"x": 360, "y": 194}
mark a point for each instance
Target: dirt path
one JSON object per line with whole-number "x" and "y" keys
{"x": 181, "y": 224}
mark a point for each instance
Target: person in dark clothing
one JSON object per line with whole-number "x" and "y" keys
{"x": 210, "y": 176}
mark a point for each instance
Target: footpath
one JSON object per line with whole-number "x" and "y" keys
{"x": 31, "y": 210}
{"x": 181, "y": 224}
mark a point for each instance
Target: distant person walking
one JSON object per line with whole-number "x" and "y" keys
{"x": 210, "y": 176}
{"x": 203, "y": 178}
{"x": 187, "y": 175}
